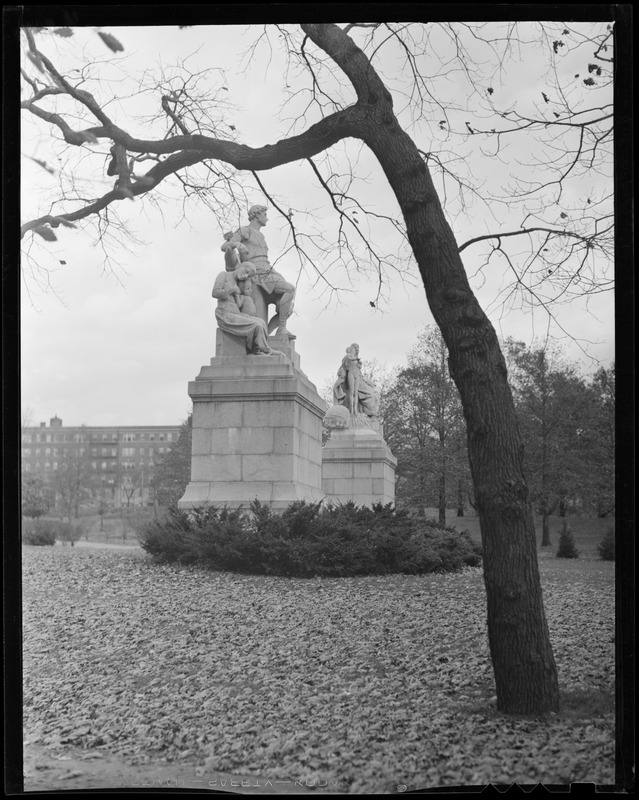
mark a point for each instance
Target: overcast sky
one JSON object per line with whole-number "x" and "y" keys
{"x": 117, "y": 345}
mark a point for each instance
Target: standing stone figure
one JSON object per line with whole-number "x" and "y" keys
{"x": 352, "y": 391}
{"x": 235, "y": 312}
{"x": 248, "y": 244}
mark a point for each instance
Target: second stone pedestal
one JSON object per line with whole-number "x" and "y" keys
{"x": 257, "y": 433}
{"x": 357, "y": 465}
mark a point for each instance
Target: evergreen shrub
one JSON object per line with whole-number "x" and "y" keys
{"x": 308, "y": 540}
{"x": 606, "y": 546}
{"x": 567, "y": 548}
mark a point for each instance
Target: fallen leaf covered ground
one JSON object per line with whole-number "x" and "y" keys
{"x": 361, "y": 684}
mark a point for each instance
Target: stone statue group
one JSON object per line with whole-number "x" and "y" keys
{"x": 249, "y": 279}
{"x": 247, "y": 268}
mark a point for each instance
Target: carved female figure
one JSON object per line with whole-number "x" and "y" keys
{"x": 232, "y": 291}
{"x": 351, "y": 389}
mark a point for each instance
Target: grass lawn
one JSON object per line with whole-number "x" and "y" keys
{"x": 587, "y": 531}
{"x": 365, "y": 683}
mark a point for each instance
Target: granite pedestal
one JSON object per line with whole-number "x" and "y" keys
{"x": 257, "y": 429}
{"x": 358, "y": 465}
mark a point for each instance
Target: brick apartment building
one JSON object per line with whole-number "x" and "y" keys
{"x": 119, "y": 460}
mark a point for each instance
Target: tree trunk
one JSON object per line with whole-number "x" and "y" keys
{"x": 460, "y": 500}
{"x": 441, "y": 505}
{"x": 522, "y": 657}
{"x": 545, "y": 528}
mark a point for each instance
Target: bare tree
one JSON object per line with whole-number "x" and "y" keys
{"x": 130, "y": 483}
{"x": 71, "y": 482}
{"x": 348, "y": 104}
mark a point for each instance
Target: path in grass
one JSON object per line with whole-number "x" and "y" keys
{"x": 367, "y": 683}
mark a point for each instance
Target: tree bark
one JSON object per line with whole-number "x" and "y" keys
{"x": 522, "y": 657}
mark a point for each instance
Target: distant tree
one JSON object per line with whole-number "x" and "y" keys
{"x": 598, "y": 437}
{"x": 424, "y": 426}
{"x": 36, "y": 496}
{"x": 554, "y": 407}
{"x": 72, "y": 482}
{"x": 131, "y": 481}
{"x": 103, "y": 506}
{"x": 173, "y": 472}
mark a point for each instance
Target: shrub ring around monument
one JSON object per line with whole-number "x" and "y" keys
{"x": 308, "y": 540}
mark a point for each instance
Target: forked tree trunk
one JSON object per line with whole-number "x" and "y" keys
{"x": 523, "y": 662}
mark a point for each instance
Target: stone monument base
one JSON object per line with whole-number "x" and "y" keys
{"x": 357, "y": 465}
{"x": 257, "y": 431}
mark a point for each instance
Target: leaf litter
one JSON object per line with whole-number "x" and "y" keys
{"x": 371, "y": 682}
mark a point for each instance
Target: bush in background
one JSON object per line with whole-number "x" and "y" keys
{"x": 307, "y": 540}
{"x": 48, "y": 531}
{"x": 606, "y": 547}
{"x": 39, "y": 535}
{"x": 68, "y": 532}
{"x": 567, "y": 548}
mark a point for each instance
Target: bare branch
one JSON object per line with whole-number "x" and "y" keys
{"x": 503, "y": 235}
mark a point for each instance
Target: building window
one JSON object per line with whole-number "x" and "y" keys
{"x": 47, "y": 465}
{"x": 47, "y": 451}
{"x": 55, "y": 465}
{"x": 94, "y": 465}
{"x": 104, "y": 437}
{"x": 128, "y": 451}
{"x": 169, "y": 437}
{"x": 104, "y": 465}
{"x": 129, "y": 437}
{"x": 114, "y": 451}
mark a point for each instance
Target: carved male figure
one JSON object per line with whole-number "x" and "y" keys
{"x": 250, "y": 245}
